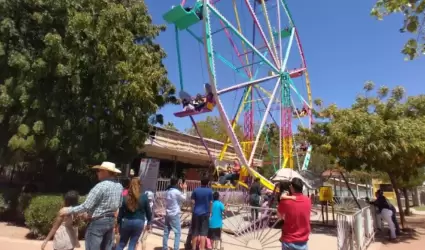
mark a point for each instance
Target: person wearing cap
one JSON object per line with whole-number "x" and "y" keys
{"x": 101, "y": 205}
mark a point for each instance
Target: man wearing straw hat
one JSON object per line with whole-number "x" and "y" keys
{"x": 101, "y": 204}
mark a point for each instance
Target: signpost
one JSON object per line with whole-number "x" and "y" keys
{"x": 326, "y": 197}
{"x": 148, "y": 173}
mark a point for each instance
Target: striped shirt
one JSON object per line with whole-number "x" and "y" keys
{"x": 103, "y": 199}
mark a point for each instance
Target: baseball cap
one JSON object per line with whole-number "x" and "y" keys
{"x": 150, "y": 195}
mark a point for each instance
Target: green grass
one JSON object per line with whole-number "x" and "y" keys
{"x": 420, "y": 208}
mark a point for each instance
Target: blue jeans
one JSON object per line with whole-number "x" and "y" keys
{"x": 294, "y": 246}
{"x": 172, "y": 223}
{"x": 394, "y": 219}
{"x": 100, "y": 234}
{"x": 130, "y": 230}
{"x": 228, "y": 177}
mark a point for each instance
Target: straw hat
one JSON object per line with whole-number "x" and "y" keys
{"x": 108, "y": 166}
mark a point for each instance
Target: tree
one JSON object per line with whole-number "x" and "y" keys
{"x": 170, "y": 126}
{"x": 381, "y": 132}
{"x": 414, "y": 20}
{"x": 80, "y": 80}
{"x": 213, "y": 128}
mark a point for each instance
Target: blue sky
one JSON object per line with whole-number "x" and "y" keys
{"x": 344, "y": 47}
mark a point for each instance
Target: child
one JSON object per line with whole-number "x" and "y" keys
{"x": 199, "y": 102}
{"x": 216, "y": 220}
{"x": 284, "y": 191}
{"x": 146, "y": 231}
{"x": 285, "y": 196}
{"x": 63, "y": 230}
{"x": 187, "y": 105}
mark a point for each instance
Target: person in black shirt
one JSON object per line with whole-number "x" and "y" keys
{"x": 254, "y": 197}
{"x": 387, "y": 212}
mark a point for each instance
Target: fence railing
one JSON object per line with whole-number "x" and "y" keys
{"x": 357, "y": 230}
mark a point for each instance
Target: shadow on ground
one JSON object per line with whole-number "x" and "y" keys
{"x": 322, "y": 229}
{"x": 407, "y": 236}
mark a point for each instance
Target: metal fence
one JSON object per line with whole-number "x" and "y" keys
{"x": 356, "y": 231}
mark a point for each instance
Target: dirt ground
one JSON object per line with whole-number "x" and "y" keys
{"x": 13, "y": 237}
{"x": 412, "y": 239}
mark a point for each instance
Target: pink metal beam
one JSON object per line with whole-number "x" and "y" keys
{"x": 202, "y": 139}
{"x": 300, "y": 47}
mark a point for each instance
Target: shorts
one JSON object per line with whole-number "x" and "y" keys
{"x": 214, "y": 233}
{"x": 200, "y": 225}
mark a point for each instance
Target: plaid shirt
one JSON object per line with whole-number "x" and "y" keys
{"x": 104, "y": 198}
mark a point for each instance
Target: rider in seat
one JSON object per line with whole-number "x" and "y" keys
{"x": 187, "y": 105}
{"x": 304, "y": 112}
{"x": 303, "y": 147}
{"x": 296, "y": 112}
{"x": 198, "y": 11}
{"x": 199, "y": 102}
{"x": 233, "y": 176}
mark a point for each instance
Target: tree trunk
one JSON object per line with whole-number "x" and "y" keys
{"x": 397, "y": 194}
{"x": 406, "y": 202}
{"x": 415, "y": 196}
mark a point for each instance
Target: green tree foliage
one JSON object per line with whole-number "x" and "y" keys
{"x": 382, "y": 132}
{"x": 414, "y": 20}
{"x": 74, "y": 86}
{"x": 170, "y": 126}
{"x": 213, "y": 128}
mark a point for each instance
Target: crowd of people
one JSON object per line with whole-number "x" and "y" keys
{"x": 110, "y": 208}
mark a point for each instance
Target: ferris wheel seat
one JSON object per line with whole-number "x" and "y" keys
{"x": 296, "y": 72}
{"x": 222, "y": 186}
{"x": 180, "y": 17}
{"x": 192, "y": 112}
{"x": 283, "y": 33}
{"x": 300, "y": 116}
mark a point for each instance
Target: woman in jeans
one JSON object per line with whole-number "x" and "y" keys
{"x": 135, "y": 210}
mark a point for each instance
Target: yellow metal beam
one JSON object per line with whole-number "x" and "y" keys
{"x": 224, "y": 149}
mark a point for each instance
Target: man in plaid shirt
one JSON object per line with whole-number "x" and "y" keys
{"x": 101, "y": 204}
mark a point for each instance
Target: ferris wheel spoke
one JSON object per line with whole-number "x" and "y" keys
{"x": 242, "y": 37}
{"x": 288, "y": 50}
{"x": 269, "y": 27}
{"x": 291, "y": 85}
{"x": 235, "y": 10}
{"x": 263, "y": 122}
{"x": 235, "y": 48}
{"x": 279, "y": 27}
{"x": 219, "y": 56}
{"x": 257, "y": 23}
{"x": 245, "y": 84}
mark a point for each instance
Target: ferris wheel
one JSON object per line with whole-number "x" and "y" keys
{"x": 256, "y": 72}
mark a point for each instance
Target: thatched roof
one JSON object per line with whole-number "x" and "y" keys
{"x": 187, "y": 147}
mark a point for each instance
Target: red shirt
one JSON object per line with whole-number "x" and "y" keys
{"x": 297, "y": 219}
